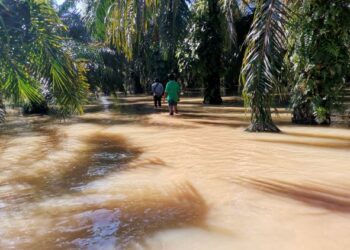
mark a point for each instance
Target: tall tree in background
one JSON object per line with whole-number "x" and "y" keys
{"x": 137, "y": 40}
{"x": 104, "y": 66}
{"x": 140, "y": 29}
{"x": 151, "y": 33}
{"x": 211, "y": 48}
{"x": 210, "y": 51}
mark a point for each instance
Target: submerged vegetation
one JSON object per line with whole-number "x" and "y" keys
{"x": 53, "y": 55}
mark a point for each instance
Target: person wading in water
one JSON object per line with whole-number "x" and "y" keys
{"x": 157, "y": 90}
{"x": 172, "y": 94}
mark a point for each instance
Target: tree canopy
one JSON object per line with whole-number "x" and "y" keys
{"x": 35, "y": 66}
{"x": 267, "y": 48}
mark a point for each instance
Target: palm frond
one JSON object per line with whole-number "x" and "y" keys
{"x": 262, "y": 63}
{"x": 127, "y": 24}
{"x": 33, "y": 59}
{"x": 232, "y": 12}
{"x": 64, "y": 76}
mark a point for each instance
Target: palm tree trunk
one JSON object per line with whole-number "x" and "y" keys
{"x": 261, "y": 120}
{"x": 212, "y": 55}
{"x": 212, "y": 93}
{"x": 2, "y": 111}
{"x": 138, "y": 89}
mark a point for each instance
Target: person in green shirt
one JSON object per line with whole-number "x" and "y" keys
{"x": 172, "y": 94}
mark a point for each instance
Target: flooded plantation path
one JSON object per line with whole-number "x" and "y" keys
{"x": 126, "y": 176}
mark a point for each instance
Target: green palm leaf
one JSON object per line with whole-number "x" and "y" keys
{"x": 262, "y": 62}
{"x": 33, "y": 59}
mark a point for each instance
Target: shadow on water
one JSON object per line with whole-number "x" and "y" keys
{"x": 213, "y": 117}
{"x": 133, "y": 119}
{"x": 322, "y": 136}
{"x": 320, "y": 144}
{"x": 137, "y": 110}
{"x": 104, "y": 154}
{"x": 144, "y": 106}
{"x": 225, "y": 124}
{"x": 108, "y": 121}
{"x": 59, "y": 212}
{"x": 323, "y": 196}
{"x": 25, "y": 126}
{"x": 117, "y": 223}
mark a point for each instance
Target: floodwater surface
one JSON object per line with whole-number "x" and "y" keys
{"x": 126, "y": 176}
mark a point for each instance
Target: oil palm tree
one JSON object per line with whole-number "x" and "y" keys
{"x": 266, "y": 44}
{"x": 140, "y": 29}
{"x": 134, "y": 26}
{"x": 210, "y": 51}
{"x": 124, "y": 23}
{"x": 34, "y": 66}
{"x": 212, "y": 38}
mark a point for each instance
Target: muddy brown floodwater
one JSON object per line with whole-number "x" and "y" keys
{"x": 124, "y": 176}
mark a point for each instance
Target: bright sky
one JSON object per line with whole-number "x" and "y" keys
{"x": 80, "y": 6}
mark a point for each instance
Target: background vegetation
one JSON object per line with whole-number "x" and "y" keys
{"x": 53, "y": 55}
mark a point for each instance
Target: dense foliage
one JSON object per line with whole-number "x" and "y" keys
{"x": 35, "y": 68}
{"x": 51, "y": 55}
{"x": 104, "y": 66}
{"x": 319, "y": 58}
{"x": 145, "y": 33}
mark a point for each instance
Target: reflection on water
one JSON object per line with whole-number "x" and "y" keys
{"x": 124, "y": 176}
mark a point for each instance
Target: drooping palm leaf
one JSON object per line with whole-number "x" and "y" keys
{"x": 33, "y": 60}
{"x": 126, "y": 23}
{"x": 263, "y": 60}
{"x": 232, "y": 12}
{"x": 65, "y": 78}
